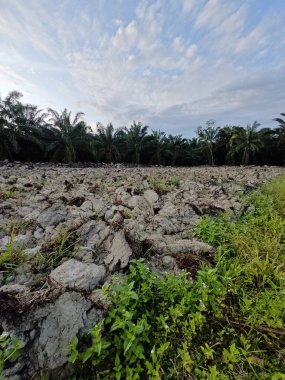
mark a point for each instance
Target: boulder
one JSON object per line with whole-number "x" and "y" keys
{"x": 53, "y": 215}
{"x": 151, "y": 196}
{"x": 119, "y": 253}
{"x": 78, "y": 275}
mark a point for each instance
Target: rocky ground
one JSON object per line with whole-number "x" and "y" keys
{"x": 65, "y": 230}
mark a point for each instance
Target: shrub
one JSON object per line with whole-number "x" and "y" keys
{"x": 227, "y": 324}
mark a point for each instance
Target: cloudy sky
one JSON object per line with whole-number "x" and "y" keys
{"x": 172, "y": 64}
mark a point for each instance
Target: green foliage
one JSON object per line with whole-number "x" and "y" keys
{"x": 29, "y": 134}
{"x": 276, "y": 191}
{"x": 162, "y": 186}
{"x": 7, "y": 194}
{"x": 126, "y": 213}
{"x": 12, "y": 256}
{"x": 20, "y": 226}
{"x": 61, "y": 246}
{"x": 228, "y": 323}
{"x": 10, "y": 350}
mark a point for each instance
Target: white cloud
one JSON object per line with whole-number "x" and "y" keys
{"x": 189, "y": 5}
{"x": 166, "y": 63}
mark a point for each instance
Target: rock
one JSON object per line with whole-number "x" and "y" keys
{"x": 93, "y": 233}
{"x": 3, "y": 242}
{"x": 31, "y": 252}
{"x": 94, "y": 205}
{"x": 174, "y": 247}
{"x": 61, "y": 321}
{"x": 151, "y": 196}
{"x": 12, "y": 180}
{"x": 84, "y": 254}
{"x": 168, "y": 209}
{"x": 117, "y": 219}
{"x": 109, "y": 214}
{"x": 13, "y": 289}
{"x": 78, "y": 275}
{"x": 120, "y": 252}
{"x": 98, "y": 298}
{"x": 53, "y": 215}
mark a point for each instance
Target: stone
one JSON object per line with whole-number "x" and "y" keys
{"x": 119, "y": 254}
{"x": 93, "y": 205}
{"x": 77, "y": 275}
{"x": 53, "y": 215}
{"x": 62, "y": 321}
{"x": 31, "y": 252}
{"x": 98, "y": 298}
{"x": 151, "y": 196}
{"x": 13, "y": 289}
{"x": 173, "y": 247}
{"x": 93, "y": 233}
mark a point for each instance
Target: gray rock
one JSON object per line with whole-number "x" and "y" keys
{"x": 31, "y": 252}
{"x": 169, "y": 262}
{"x": 53, "y": 215}
{"x": 173, "y": 247}
{"x": 13, "y": 289}
{"x": 93, "y": 233}
{"x": 151, "y": 196}
{"x": 62, "y": 321}
{"x": 93, "y": 205}
{"x": 78, "y": 275}
{"x": 120, "y": 252}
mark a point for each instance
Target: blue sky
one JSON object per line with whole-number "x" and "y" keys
{"x": 172, "y": 64}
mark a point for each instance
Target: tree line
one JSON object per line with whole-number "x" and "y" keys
{"x": 28, "y": 133}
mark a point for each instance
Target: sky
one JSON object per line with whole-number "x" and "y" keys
{"x": 171, "y": 64}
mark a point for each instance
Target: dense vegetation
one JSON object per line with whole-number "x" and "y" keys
{"x": 29, "y": 134}
{"x": 226, "y": 323}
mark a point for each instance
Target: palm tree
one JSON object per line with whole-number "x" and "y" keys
{"x": 157, "y": 147}
{"x": 225, "y": 144}
{"x": 280, "y": 131}
{"x": 176, "y": 147}
{"x": 107, "y": 143}
{"x": 69, "y": 137}
{"x": 135, "y": 137}
{"x": 248, "y": 141}
{"x": 207, "y": 137}
{"x": 281, "y": 121}
{"x": 8, "y": 127}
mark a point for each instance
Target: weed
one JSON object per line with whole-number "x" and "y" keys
{"x": 227, "y": 324}
{"x": 10, "y": 350}
{"x": 174, "y": 181}
{"x": 52, "y": 253}
{"x": 160, "y": 186}
{"x": 97, "y": 214}
{"x": 7, "y": 194}
{"x": 126, "y": 213}
{"x": 12, "y": 256}
{"x": 20, "y": 226}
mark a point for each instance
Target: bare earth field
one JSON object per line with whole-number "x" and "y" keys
{"x": 64, "y": 231}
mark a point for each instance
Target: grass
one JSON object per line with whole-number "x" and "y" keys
{"x": 52, "y": 253}
{"x": 228, "y": 323}
{"x": 7, "y": 194}
{"x": 13, "y": 256}
{"x": 162, "y": 186}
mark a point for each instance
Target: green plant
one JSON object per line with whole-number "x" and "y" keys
{"x": 10, "y": 350}
{"x": 228, "y": 323}
{"x": 160, "y": 185}
{"x": 51, "y": 255}
{"x": 126, "y": 213}
{"x": 7, "y": 194}
{"x": 12, "y": 256}
{"x": 174, "y": 181}
{"x": 20, "y": 226}
{"x": 97, "y": 214}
